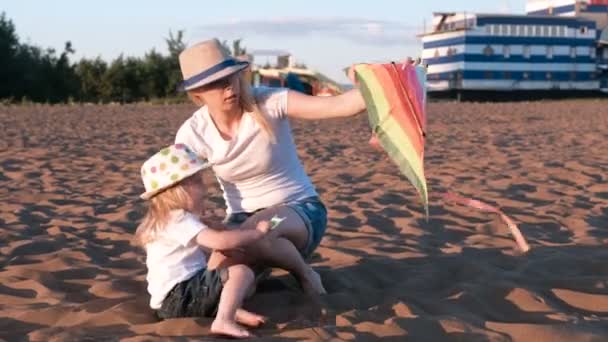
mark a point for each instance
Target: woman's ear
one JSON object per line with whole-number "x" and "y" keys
{"x": 196, "y": 98}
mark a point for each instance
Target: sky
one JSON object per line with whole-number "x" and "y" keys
{"x": 326, "y": 35}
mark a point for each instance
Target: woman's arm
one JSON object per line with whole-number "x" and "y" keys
{"x": 308, "y": 107}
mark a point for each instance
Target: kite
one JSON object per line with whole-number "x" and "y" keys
{"x": 395, "y": 97}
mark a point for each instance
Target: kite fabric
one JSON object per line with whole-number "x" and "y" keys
{"x": 395, "y": 96}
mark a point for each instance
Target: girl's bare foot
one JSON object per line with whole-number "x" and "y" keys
{"x": 222, "y": 327}
{"x": 312, "y": 284}
{"x": 249, "y": 318}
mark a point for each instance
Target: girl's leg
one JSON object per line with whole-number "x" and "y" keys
{"x": 249, "y": 319}
{"x": 240, "y": 278}
{"x": 280, "y": 247}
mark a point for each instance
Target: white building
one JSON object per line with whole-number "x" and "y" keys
{"x": 558, "y": 45}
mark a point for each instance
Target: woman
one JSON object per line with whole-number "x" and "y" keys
{"x": 245, "y": 134}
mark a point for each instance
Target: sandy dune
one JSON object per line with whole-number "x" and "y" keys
{"x": 69, "y": 190}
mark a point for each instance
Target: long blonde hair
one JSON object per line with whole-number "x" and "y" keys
{"x": 248, "y": 103}
{"x": 159, "y": 211}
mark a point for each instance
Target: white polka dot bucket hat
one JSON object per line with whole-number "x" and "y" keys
{"x": 169, "y": 166}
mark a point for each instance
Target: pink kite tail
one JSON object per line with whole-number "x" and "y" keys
{"x": 469, "y": 202}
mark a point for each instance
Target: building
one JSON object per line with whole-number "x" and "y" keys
{"x": 556, "y": 46}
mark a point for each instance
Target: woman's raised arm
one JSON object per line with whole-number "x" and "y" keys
{"x": 308, "y": 107}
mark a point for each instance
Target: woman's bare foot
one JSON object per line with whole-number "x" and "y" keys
{"x": 222, "y": 327}
{"x": 312, "y": 284}
{"x": 249, "y": 318}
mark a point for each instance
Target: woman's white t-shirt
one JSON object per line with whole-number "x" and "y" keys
{"x": 253, "y": 172}
{"x": 174, "y": 255}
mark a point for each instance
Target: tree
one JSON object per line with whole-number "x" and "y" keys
{"x": 65, "y": 81}
{"x": 43, "y": 75}
{"x": 236, "y": 49}
{"x": 175, "y": 46}
{"x": 9, "y": 46}
{"x": 29, "y": 71}
{"x": 91, "y": 75}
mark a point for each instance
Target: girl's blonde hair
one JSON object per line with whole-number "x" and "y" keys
{"x": 159, "y": 211}
{"x": 248, "y": 104}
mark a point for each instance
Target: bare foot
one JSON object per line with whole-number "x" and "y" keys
{"x": 249, "y": 318}
{"x": 221, "y": 327}
{"x": 312, "y": 284}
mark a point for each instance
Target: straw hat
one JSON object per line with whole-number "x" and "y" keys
{"x": 206, "y": 62}
{"x": 168, "y": 167}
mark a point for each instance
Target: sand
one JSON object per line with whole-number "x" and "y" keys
{"x": 69, "y": 186}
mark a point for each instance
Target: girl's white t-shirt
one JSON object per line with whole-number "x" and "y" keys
{"x": 174, "y": 255}
{"x": 254, "y": 173}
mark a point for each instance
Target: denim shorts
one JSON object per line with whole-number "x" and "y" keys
{"x": 311, "y": 210}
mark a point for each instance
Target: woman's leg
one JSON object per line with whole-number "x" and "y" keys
{"x": 240, "y": 278}
{"x": 280, "y": 247}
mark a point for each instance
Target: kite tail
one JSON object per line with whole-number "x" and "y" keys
{"x": 469, "y": 202}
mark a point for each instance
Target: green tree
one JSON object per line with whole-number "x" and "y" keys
{"x": 236, "y": 49}
{"x": 175, "y": 45}
{"x": 155, "y": 75}
{"x": 29, "y": 71}
{"x": 43, "y": 75}
{"x": 9, "y": 48}
{"x": 91, "y": 75}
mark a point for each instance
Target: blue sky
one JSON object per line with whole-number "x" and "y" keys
{"x": 326, "y": 35}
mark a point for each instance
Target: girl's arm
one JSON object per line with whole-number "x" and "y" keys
{"x": 230, "y": 239}
{"x": 304, "y": 106}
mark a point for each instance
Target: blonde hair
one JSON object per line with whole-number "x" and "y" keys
{"x": 248, "y": 103}
{"x": 159, "y": 211}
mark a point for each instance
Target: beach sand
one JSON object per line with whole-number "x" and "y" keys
{"x": 69, "y": 187}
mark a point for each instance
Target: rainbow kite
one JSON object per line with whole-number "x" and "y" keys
{"x": 395, "y": 96}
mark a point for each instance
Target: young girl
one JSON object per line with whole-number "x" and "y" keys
{"x": 176, "y": 244}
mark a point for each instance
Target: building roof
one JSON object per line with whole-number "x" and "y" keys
{"x": 533, "y": 19}
{"x": 507, "y": 19}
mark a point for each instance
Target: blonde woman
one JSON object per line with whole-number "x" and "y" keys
{"x": 177, "y": 243}
{"x": 245, "y": 134}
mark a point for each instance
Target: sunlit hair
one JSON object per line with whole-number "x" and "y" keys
{"x": 159, "y": 211}
{"x": 248, "y": 104}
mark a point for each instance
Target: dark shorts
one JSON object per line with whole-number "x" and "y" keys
{"x": 195, "y": 297}
{"x": 313, "y": 213}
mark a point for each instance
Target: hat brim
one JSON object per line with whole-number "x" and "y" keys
{"x": 149, "y": 194}
{"x": 241, "y": 65}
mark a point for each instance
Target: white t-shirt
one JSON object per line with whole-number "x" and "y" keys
{"x": 174, "y": 255}
{"x": 253, "y": 172}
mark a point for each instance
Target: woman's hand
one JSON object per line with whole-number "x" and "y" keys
{"x": 351, "y": 75}
{"x": 263, "y": 227}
